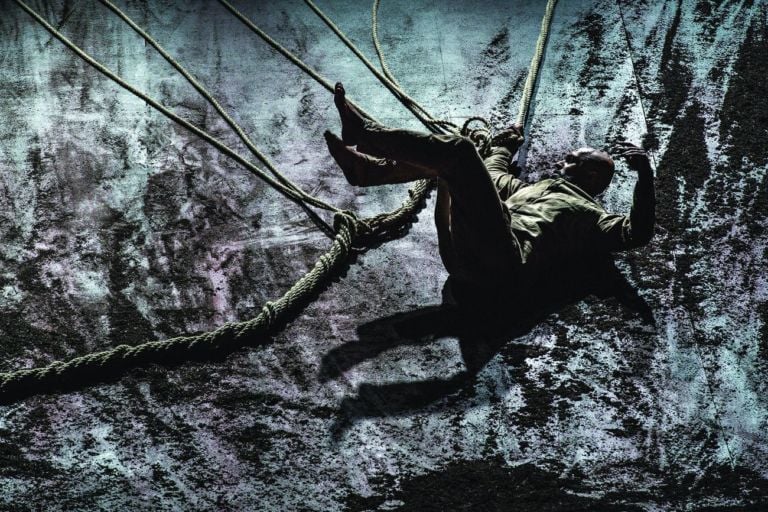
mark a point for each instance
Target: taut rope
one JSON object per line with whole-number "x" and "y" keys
{"x": 347, "y": 231}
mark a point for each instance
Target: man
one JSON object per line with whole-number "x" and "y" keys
{"x": 494, "y": 230}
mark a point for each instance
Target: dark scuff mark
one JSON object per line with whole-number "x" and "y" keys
{"x": 539, "y": 399}
{"x": 709, "y": 14}
{"x": 675, "y": 78}
{"x": 489, "y": 485}
{"x": 717, "y": 73}
{"x": 126, "y": 323}
{"x": 621, "y": 115}
{"x": 68, "y": 10}
{"x": 308, "y": 113}
{"x": 504, "y": 112}
{"x": 703, "y": 8}
{"x": 753, "y": 214}
{"x": 298, "y": 34}
{"x": 684, "y": 161}
{"x": 593, "y": 27}
{"x": 495, "y": 54}
{"x": 744, "y": 116}
{"x": 18, "y": 450}
{"x": 493, "y": 485}
{"x": 744, "y": 123}
{"x": 498, "y": 48}
{"x": 253, "y": 443}
{"x": 246, "y": 293}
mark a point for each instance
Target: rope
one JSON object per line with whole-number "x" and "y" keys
{"x": 411, "y": 104}
{"x": 481, "y": 136}
{"x": 533, "y": 71}
{"x": 421, "y": 188}
{"x": 377, "y": 45}
{"x": 285, "y": 190}
{"x": 99, "y": 366}
{"x": 634, "y": 74}
{"x": 65, "y": 375}
{"x": 387, "y": 73}
{"x": 287, "y": 53}
{"x": 231, "y": 122}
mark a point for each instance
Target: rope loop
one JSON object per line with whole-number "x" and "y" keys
{"x": 480, "y": 136}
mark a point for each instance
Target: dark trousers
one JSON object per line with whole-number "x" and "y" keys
{"x": 476, "y": 243}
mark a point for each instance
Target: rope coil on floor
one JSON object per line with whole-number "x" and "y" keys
{"x": 348, "y": 229}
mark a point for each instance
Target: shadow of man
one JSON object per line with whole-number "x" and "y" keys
{"x": 484, "y": 327}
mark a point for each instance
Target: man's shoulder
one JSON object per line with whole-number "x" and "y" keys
{"x": 574, "y": 191}
{"x": 563, "y": 186}
{"x": 557, "y": 190}
{"x": 538, "y": 186}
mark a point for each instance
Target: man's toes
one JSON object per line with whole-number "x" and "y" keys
{"x": 339, "y": 98}
{"x": 351, "y": 119}
{"x": 335, "y": 144}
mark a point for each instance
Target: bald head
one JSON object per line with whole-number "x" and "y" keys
{"x": 588, "y": 168}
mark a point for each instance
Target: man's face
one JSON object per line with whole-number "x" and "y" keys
{"x": 569, "y": 164}
{"x": 585, "y": 167}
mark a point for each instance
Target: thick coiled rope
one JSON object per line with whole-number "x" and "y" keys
{"x": 66, "y": 375}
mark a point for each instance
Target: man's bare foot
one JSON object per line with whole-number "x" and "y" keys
{"x": 342, "y": 154}
{"x": 360, "y": 169}
{"x": 351, "y": 119}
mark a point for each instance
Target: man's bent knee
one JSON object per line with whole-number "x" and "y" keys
{"x": 463, "y": 162}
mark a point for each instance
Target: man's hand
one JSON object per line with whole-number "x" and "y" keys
{"x": 637, "y": 158}
{"x": 511, "y": 138}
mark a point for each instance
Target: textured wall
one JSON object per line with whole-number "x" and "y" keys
{"x": 117, "y": 226}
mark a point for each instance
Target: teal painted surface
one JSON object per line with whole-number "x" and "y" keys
{"x": 118, "y": 226}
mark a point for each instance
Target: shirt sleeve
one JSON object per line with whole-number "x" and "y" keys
{"x": 497, "y": 163}
{"x": 621, "y": 232}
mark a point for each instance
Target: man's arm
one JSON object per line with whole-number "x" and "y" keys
{"x": 499, "y": 161}
{"x": 620, "y": 232}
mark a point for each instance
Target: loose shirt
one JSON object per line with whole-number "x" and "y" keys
{"x": 554, "y": 220}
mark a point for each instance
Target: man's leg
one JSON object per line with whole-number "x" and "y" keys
{"x": 483, "y": 246}
{"x": 443, "y": 226}
{"x": 478, "y": 246}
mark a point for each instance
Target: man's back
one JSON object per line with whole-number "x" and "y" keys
{"x": 554, "y": 220}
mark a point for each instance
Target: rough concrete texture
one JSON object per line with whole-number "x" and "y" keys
{"x": 118, "y": 226}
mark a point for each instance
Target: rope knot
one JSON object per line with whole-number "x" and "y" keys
{"x": 355, "y": 225}
{"x": 269, "y": 312}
